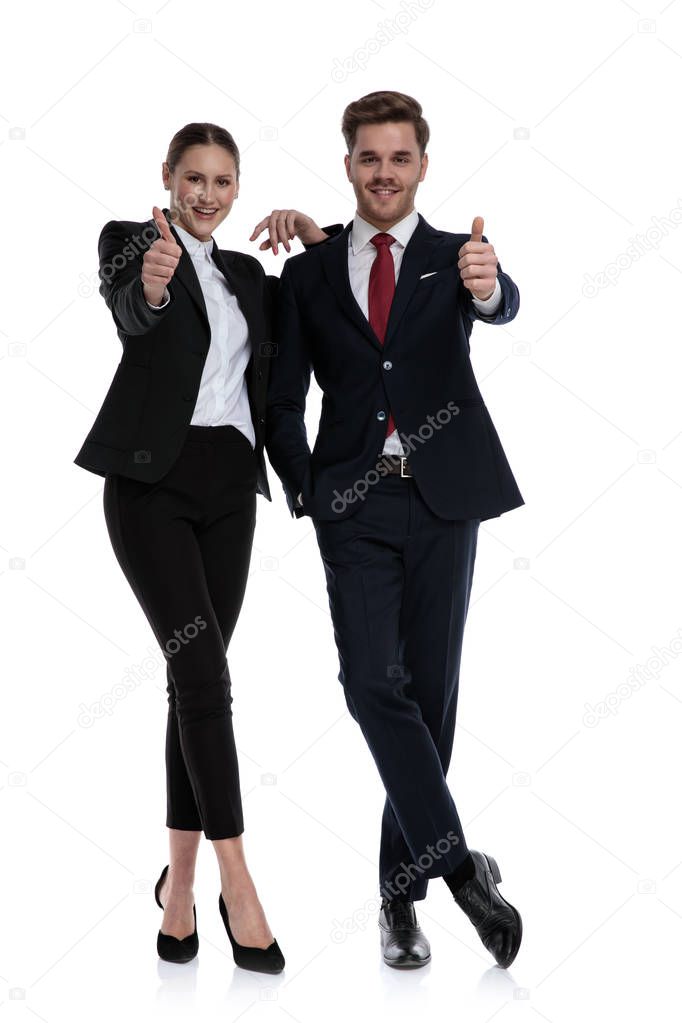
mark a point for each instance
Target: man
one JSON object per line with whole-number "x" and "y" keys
{"x": 406, "y": 464}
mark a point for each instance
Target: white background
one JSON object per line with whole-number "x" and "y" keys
{"x": 560, "y": 126}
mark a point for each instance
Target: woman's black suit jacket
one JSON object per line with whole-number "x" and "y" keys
{"x": 144, "y": 418}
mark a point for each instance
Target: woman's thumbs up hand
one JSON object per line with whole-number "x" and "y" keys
{"x": 159, "y": 261}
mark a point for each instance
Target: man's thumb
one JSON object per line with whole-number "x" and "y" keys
{"x": 477, "y": 229}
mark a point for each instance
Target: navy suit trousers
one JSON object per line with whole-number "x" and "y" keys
{"x": 399, "y": 580}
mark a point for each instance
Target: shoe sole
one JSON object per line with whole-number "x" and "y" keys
{"x": 407, "y": 966}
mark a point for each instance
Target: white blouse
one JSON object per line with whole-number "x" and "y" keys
{"x": 223, "y": 398}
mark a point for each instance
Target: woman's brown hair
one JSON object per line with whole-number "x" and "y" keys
{"x": 201, "y": 134}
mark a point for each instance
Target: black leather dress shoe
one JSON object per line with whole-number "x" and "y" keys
{"x": 403, "y": 942}
{"x": 175, "y": 950}
{"x": 498, "y": 923}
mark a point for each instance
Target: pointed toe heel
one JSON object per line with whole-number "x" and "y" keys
{"x": 248, "y": 957}
{"x": 169, "y": 948}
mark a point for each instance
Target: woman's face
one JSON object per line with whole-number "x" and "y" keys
{"x": 204, "y": 178}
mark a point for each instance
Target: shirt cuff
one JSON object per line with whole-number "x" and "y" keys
{"x": 489, "y": 305}
{"x": 299, "y": 502}
{"x": 166, "y": 300}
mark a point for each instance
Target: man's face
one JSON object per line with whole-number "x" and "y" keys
{"x": 385, "y": 169}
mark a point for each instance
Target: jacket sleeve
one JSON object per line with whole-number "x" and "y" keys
{"x": 330, "y": 231}
{"x": 120, "y": 266}
{"x": 273, "y": 281}
{"x": 286, "y": 440}
{"x": 509, "y": 304}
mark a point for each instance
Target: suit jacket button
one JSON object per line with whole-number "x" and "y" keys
{"x": 261, "y": 420}
{"x": 187, "y": 397}
{"x": 142, "y": 456}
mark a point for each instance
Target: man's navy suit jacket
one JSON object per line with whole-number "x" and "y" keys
{"x": 422, "y": 373}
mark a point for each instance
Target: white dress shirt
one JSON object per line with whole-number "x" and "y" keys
{"x": 223, "y": 398}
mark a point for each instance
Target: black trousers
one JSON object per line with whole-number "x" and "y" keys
{"x": 184, "y": 544}
{"x": 399, "y": 580}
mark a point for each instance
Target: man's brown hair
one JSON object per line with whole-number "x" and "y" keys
{"x": 379, "y": 107}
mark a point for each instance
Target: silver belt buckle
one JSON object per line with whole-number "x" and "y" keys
{"x": 405, "y": 475}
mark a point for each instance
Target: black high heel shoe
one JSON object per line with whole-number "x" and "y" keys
{"x": 175, "y": 950}
{"x": 249, "y": 957}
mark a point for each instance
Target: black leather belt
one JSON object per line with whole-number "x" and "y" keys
{"x": 396, "y": 465}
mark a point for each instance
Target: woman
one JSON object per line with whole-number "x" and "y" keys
{"x": 179, "y": 439}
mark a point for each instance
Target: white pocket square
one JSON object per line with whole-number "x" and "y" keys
{"x": 428, "y": 275}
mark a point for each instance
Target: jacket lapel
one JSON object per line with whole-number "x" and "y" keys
{"x": 239, "y": 285}
{"x": 186, "y": 274}
{"x": 335, "y": 264}
{"x": 415, "y": 259}
{"x": 247, "y": 303}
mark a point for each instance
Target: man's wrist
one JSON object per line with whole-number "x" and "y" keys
{"x": 490, "y": 304}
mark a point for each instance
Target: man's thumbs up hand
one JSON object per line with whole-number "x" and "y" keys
{"x": 477, "y": 229}
{"x": 478, "y": 263}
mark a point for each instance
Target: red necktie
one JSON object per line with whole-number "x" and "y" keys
{"x": 380, "y": 292}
